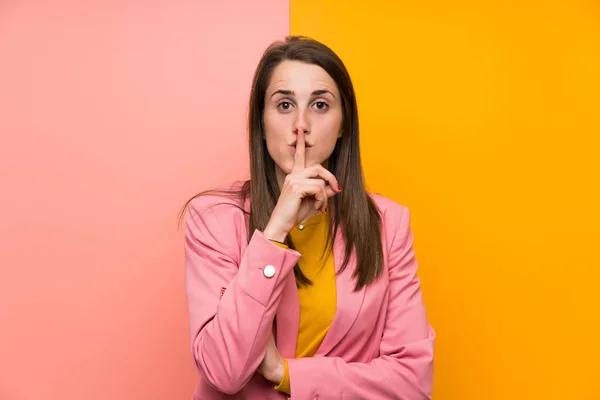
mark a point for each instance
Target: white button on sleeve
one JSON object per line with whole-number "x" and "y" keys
{"x": 269, "y": 271}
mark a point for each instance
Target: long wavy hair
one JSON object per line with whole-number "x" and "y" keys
{"x": 352, "y": 212}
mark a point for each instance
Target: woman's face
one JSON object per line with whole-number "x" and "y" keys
{"x": 301, "y": 96}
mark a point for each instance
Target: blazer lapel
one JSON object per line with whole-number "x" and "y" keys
{"x": 348, "y": 301}
{"x": 287, "y": 319}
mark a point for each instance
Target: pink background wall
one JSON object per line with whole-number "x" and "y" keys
{"x": 111, "y": 115}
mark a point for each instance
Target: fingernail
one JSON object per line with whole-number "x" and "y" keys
{"x": 296, "y": 131}
{"x": 339, "y": 188}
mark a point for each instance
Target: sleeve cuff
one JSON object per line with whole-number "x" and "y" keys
{"x": 284, "y": 385}
{"x": 283, "y": 245}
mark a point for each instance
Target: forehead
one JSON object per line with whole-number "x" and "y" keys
{"x": 299, "y": 76}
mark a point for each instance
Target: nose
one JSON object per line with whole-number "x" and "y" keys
{"x": 301, "y": 123}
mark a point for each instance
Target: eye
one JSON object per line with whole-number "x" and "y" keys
{"x": 284, "y": 106}
{"x": 321, "y": 105}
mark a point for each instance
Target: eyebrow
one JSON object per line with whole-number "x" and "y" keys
{"x": 292, "y": 93}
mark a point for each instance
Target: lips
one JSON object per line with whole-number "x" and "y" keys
{"x": 293, "y": 148}
{"x": 306, "y": 145}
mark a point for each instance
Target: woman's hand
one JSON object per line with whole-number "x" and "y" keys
{"x": 272, "y": 366}
{"x": 304, "y": 191}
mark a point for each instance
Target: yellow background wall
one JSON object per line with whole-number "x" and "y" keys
{"x": 484, "y": 119}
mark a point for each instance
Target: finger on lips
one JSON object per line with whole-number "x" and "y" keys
{"x": 299, "y": 155}
{"x": 314, "y": 171}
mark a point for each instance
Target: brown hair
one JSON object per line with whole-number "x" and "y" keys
{"x": 352, "y": 210}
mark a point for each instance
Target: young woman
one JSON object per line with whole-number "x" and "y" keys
{"x": 300, "y": 282}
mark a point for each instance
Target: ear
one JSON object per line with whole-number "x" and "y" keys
{"x": 340, "y": 134}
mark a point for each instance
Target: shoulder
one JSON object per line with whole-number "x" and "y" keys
{"x": 220, "y": 210}
{"x": 395, "y": 217}
{"x": 222, "y": 195}
{"x": 389, "y": 209}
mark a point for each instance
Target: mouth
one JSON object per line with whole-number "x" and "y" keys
{"x": 307, "y": 145}
{"x": 293, "y": 147}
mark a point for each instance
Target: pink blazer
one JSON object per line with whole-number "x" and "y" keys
{"x": 380, "y": 344}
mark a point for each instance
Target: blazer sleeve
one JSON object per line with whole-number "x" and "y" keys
{"x": 231, "y": 302}
{"x": 404, "y": 369}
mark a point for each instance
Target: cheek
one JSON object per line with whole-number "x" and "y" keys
{"x": 319, "y": 154}
{"x": 277, "y": 146}
{"x": 272, "y": 132}
{"x": 276, "y": 124}
{"x": 327, "y": 141}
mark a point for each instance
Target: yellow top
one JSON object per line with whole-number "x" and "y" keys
{"x": 317, "y": 301}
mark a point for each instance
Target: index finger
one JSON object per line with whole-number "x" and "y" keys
{"x": 300, "y": 147}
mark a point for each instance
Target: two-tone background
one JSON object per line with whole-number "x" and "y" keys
{"x": 482, "y": 117}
